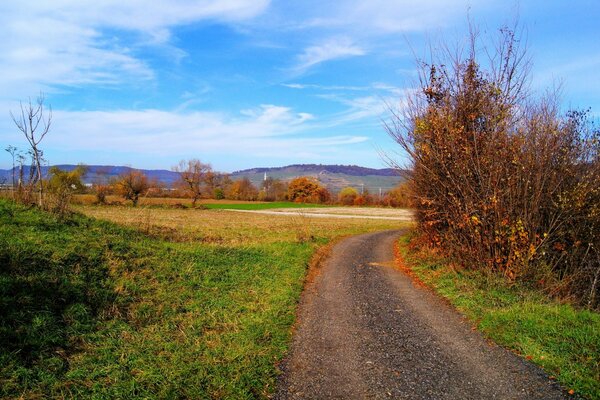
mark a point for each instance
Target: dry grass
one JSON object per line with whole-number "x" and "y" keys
{"x": 225, "y": 227}
{"x": 90, "y": 199}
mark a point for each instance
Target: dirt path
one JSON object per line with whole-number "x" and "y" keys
{"x": 366, "y": 332}
{"x": 407, "y": 216}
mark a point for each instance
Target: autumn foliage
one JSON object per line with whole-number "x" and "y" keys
{"x": 501, "y": 179}
{"x": 132, "y": 184}
{"x": 307, "y": 190}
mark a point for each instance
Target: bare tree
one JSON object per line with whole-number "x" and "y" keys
{"x": 132, "y": 184}
{"x": 12, "y": 150}
{"x": 193, "y": 174}
{"x": 34, "y": 121}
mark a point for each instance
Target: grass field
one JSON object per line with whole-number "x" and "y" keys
{"x": 169, "y": 304}
{"x": 561, "y": 339}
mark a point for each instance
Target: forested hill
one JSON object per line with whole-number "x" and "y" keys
{"x": 353, "y": 170}
{"x": 102, "y": 173}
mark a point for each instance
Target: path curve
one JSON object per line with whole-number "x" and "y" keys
{"x": 365, "y": 331}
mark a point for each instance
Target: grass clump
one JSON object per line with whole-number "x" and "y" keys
{"x": 563, "y": 340}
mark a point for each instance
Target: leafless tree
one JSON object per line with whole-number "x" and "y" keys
{"x": 34, "y": 122}
{"x": 12, "y": 150}
{"x": 194, "y": 175}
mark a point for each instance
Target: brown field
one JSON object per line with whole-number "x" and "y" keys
{"x": 89, "y": 199}
{"x": 233, "y": 228}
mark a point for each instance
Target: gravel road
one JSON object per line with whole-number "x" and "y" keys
{"x": 365, "y": 331}
{"x": 401, "y": 215}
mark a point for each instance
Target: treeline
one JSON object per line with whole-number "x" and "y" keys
{"x": 502, "y": 180}
{"x": 199, "y": 181}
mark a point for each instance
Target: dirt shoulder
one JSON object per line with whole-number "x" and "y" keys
{"x": 366, "y": 331}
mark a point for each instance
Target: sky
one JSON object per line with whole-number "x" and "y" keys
{"x": 257, "y": 83}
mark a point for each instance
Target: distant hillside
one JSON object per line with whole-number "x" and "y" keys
{"x": 353, "y": 170}
{"x": 334, "y": 177}
{"x": 104, "y": 173}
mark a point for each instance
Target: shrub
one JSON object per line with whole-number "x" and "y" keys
{"x": 61, "y": 187}
{"x": 306, "y": 189}
{"x": 347, "y": 196}
{"x": 501, "y": 179}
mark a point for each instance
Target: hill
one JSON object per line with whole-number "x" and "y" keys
{"x": 101, "y": 173}
{"x": 334, "y": 177}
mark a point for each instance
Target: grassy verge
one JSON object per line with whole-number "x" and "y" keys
{"x": 564, "y": 341}
{"x": 261, "y": 206}
{"x": 187, "y": 305}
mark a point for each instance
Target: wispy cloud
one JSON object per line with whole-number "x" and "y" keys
{"x": 330, "y": 49}
{"x": 375, "y": 17}
{"x": 325, "y": 87}
{"x": 376, "y": 86}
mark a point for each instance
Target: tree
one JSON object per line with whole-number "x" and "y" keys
{"x": 101, "y": 185}
{"x": 274, "y": 189}
{"x": 242, "y": 189}
{"x": 62, "y": 185}
{"x": 12, "y": 150}
{"x": 194, "y": 176}
{"x": 34, "y": 122}
{"x": 399, "y": 196}
{"x": 131, "y": 185}
{"x": 306, "y": 189}
{"x": 347, "y": 196}
{"x": 502, "y": 179}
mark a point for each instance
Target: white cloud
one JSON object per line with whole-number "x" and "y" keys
{"x": 67, "y": 42}
{"x": 267, "y": 129}
{"x": 141, "y": 15}
{"x": 331, "y": 49}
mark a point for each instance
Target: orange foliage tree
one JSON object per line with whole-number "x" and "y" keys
{"x": 306, "y": 189}
{"x": 131, "y": 185}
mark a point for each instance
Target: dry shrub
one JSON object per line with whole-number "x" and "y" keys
{"x": 501, "y": 179}
{"x": 400, "y": 196}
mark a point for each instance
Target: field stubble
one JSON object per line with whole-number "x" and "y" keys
{"x": 228, "y": 228}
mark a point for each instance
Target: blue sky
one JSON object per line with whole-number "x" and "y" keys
{"x": 241, "y": 84}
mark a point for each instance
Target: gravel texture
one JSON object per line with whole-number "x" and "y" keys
{"x": 365, "y": 331}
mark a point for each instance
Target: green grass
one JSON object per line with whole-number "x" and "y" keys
{"x": 91, "y": 309}
{"x": 563, "y": 340}
{"x": 262, "y": 206}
